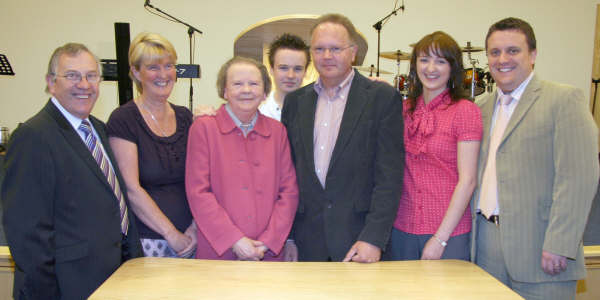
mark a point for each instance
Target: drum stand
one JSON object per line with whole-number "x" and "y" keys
{"x": 190, "y": 31}
{"x": 400, "y": 80}
{"x": 473, "y": 63}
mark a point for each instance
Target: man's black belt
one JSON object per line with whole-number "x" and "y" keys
{"x": 492, "y": 219}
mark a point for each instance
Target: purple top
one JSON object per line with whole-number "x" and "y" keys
{"x": 161, "y": 162}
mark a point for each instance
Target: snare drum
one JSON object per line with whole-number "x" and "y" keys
{"x": 479, "y": 84}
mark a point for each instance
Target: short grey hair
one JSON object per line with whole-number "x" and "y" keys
{"x": 70, "y": 49}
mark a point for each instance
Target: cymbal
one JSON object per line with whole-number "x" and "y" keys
{"x": 467, "y": 49}
{"x": 369, "y": 68}
{"x": 395, "y": 55}
{"x": 470, "y": 48}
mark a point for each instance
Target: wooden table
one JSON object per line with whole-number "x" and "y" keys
{"x": 7, "y": 268}
{"x": 168, "y": 278}
{"x": 589, "y": 287}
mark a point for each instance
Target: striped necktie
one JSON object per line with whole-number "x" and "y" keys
{"x": 94, "y": 146}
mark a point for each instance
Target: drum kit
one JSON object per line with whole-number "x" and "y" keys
{"x": 476, "y": 81}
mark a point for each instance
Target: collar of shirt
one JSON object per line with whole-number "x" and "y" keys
{"x": 341, "y": 90}
{"x": 441, "y": 100}
{"x": 73, "y": 120}
{"x": 516, "y": 94}
{"x": 270, "y": 108}
{"x": 421, "y": 122}
{"x": 245, "y": 128}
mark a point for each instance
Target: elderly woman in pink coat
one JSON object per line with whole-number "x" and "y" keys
{"x": 240, "y": 179}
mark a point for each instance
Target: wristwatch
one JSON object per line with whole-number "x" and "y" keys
{"x": 443, "y": 243}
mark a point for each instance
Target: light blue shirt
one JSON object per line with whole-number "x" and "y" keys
{"x": 245, "y": 129}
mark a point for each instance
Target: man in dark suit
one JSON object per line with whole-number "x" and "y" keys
{"x": 65, "y": 217}
{"x": 346, "y": 136}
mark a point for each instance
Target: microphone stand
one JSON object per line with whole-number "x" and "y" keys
{"x": 595, "y": 82}
{"x": 378, "y": 27}
{"x": 190, "y": 31}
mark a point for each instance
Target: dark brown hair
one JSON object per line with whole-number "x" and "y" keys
{"x": 514, "y": 24}
{"x": 442, "y": 45}
{"x": 288, "y": 41}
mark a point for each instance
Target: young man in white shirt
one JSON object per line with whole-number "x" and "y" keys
{"x": 288, "y": 59}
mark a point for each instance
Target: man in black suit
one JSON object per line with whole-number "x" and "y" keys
{"x": 65, "y": 217}
{"x": 346, "y": 134}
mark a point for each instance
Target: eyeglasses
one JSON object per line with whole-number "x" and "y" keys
{"x": 332, "y": 50}
{"x": 75, "y": 77}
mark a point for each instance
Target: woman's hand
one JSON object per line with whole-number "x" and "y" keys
{"x": 177, "y": 240}
{"x": 191, "y": 233}
{"x": 433, "y": 249}
{"x": 248, "y": 249}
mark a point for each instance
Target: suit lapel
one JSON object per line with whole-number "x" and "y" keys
{"x": 352, "y": 112}
{"x": 73, "y": 138}
{"x": 307, "y": 106}
{"x": 487, "y": 111}
{"x": 530, "y": 95}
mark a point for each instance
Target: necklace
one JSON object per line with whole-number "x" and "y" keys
{"x": 143, "y": 105}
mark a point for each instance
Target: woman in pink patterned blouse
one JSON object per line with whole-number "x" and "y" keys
{"x": 441, "y": 136}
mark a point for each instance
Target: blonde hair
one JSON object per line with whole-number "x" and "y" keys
{"x": 340, "y": 20}
{"x": 148, "y": 47}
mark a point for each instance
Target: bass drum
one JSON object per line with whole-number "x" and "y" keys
{"x": 479, "y": 84}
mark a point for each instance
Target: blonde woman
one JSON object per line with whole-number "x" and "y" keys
{"x": 149, "y": 138}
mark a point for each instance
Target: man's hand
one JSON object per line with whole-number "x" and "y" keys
{"x": 363, "y": 252}
{"x": 553, "y": 264}
{"x": 290, "y": 251}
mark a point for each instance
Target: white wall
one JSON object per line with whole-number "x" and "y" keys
{"x": 31, "y": 29}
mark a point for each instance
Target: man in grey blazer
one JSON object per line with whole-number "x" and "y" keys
{"x": 538, "y": 172}
{"x": 65, "y": 215}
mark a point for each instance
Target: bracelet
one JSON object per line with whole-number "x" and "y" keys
{"x": 443, "y": 243}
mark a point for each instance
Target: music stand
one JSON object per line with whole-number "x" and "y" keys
{"x": 5, "y": 68}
